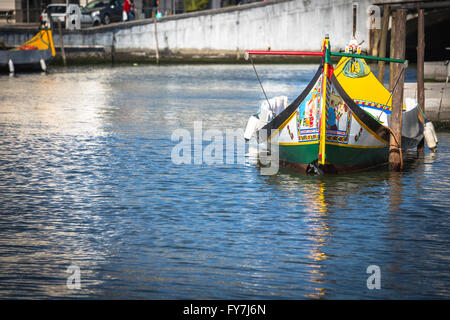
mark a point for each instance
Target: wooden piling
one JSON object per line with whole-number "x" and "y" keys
{"x": 374, "y": 34}
{"x": 399, "y": 37}
{"x": 392, "y": 55}
{"x": 420, "y": 67}
{"x": 61, "y": 43}
{"x": 156, "y": 40}
{"x": 375, "y": 42}
{"x": 113, "y": 48}
{"x": 383, "y": 41}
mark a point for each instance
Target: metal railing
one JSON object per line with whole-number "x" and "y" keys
{"x": 178, "y": 6}
{"x": 20, "y": 15}
{"x": 7, "y": 15}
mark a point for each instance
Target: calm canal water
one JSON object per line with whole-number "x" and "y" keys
{"x": 86, "y": 179}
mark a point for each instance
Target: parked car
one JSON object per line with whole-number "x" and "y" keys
{"x": 108, "y": 10}
{"x": 57, "y": 12}
{"x": 60, "y": 12}
{"x": 89, "y": 19}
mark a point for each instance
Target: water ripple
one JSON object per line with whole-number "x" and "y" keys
{"x": 86, "y": 179}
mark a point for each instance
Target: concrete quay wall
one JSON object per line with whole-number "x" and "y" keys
{"x": 225, "y": 32}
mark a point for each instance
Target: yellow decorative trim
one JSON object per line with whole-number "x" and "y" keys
{"x": 297, "y": 143}
{"x": 354, "y": 146}
{"x": 330, "y": 143}
{"x": 323, "y": 116}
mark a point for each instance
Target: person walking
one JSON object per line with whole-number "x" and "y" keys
{"x": 132, "y": 15}
{"x": 126, "y": 10}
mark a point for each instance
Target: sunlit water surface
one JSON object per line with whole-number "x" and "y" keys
{"x": 86, "y": 179}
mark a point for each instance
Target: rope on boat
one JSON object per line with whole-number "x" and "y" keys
{"x": 337, "y": 67}
{"x": 397, "y": 145}
{"x": 396, "y": 82}
{"x": 421, "y": 111}
{"x": 259, "y": 80}
{"x": 355, "y": 68}
{"x": 393, "y": 89}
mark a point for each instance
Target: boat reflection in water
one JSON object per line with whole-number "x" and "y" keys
{"x": 335, "y": 229}
{"x": 320, "y": 235}
{"x": 313, "y": 224}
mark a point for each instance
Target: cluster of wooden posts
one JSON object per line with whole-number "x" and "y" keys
{"x": 397, "y": 12}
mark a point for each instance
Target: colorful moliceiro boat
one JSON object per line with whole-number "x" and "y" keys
{"x": 35, "y": 54}
{"x": 337, "y": 125}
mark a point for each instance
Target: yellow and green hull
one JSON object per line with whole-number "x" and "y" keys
{"x": 340, "y": 122}
{"x": 339, "y": 159}
{"x": 355, "y": 136}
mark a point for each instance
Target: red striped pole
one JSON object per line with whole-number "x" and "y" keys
{"x": 287, "y": 53}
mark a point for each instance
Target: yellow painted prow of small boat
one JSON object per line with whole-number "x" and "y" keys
{"x": 366, "y": 87}
{"x": 41, "y": 41}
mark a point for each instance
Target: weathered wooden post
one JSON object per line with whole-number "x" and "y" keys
{"x": 156, "y": 39}
{"x": 420, "y": 67}
{"x": 61, "y": 43}
{"x": 392, "y": 55}
{"x": 399, "y": 37}
{"x": 374, "y": 31}
{"x": 383, "y": 40}
{"x": 113, "y": 48}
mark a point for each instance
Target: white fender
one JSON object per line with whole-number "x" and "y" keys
{"x": 11, "y": 66}
{"x": 251, "y": 127}
{"x": 43, "y": 65}
{"x": 430, "y": 136}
